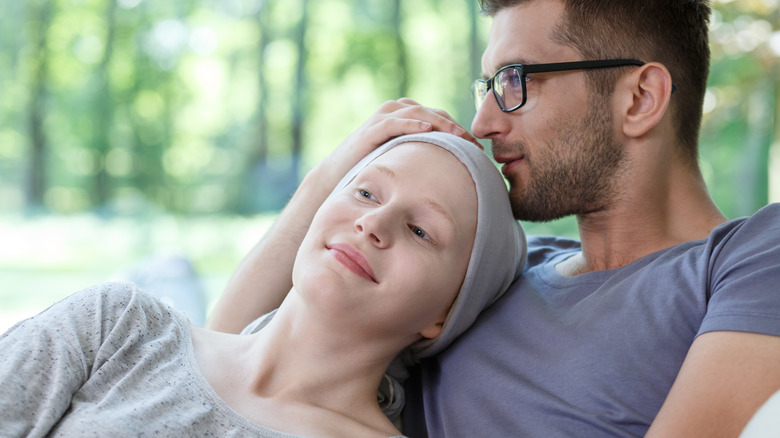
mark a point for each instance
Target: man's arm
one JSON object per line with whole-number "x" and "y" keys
{"x": 724, "y": 379}
{"x": 264, "y": 277}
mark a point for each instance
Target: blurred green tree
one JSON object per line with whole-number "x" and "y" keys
{"x": 218, "y": 107}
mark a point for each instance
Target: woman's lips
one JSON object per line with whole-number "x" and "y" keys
{"x": 353, "y": 260}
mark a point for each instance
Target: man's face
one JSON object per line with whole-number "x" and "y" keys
{"x": 558, "y": 151}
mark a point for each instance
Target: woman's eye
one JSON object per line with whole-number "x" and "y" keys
{"x": 419, "y": 232}
{"x": 366, "y": 194}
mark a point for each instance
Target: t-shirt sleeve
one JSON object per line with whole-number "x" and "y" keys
{"x": 744, "y": 292}
{"x": 47, "y": 358}
{"x": 256, "y": 325}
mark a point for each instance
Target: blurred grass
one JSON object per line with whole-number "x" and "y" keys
{"x": 46, "y": 258}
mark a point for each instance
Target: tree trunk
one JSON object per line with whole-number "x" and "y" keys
{"x": 299, "y": 95}
{"x": 475, "y": 55}
{"x": 35, "y": 186}
{"x": 256, "y": 177}
{"x": 753, "y": 177}
{"x": 403, "y": 65}
{"x": 103, "y": 104}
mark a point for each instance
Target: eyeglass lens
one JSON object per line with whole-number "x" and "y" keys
{"x": 507, "y": 88}
{"x": 479, "y": 90}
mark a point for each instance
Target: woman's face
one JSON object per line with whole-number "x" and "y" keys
{"x": 388, "y": 253}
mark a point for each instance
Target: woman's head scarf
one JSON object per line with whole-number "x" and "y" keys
{"x": 499, "y": 250}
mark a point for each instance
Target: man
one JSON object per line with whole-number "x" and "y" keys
{"x": 664, "y": 319}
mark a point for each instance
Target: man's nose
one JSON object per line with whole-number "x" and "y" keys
{"x": 489, "y": 121}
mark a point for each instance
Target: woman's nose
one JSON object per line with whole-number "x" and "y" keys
{"x": 373, "y": 226}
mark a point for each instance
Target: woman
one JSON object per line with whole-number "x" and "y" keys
{"x": 411, "y": 245}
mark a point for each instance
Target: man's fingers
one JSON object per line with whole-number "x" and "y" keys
{"x": 405, "y": 109}
{"x": 408, "y": 101}
{"x": 391, "y": 127}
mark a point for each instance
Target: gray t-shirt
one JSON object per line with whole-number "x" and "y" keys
{"x": 595, "y": 355}
{"x": 110, "y": 361}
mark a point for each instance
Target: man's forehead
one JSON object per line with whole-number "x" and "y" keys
{"x": 522, "y": 35}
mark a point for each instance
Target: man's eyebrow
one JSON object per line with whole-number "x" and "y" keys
{"x": 509, "y": 62}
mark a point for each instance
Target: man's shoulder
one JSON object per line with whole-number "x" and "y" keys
{"x": 761, "y": 228}
{"x": 768, "y": 215}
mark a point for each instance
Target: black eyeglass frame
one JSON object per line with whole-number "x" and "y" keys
{"x": 547, "y": 68}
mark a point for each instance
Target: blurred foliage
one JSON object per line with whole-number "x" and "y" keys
{"x": 211, "y": 106}
{"x": 739, "y": 142}
{"x": 208, "y": 106}
{"x": 135, "y": 111}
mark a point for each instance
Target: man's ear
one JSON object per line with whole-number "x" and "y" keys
{"x": 644, "y": 97}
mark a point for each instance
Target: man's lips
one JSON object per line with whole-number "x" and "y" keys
{"x": 509, "y": 163}
{"x": 352, "y": 259}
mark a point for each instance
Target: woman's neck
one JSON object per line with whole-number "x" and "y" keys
{"x": 298, "y": 357}
{"x": 296, "y": 368}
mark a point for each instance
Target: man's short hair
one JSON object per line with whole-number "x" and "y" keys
{"x": 672, "y": 32}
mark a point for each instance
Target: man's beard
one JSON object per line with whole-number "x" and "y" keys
{"x": 574, "y": 173}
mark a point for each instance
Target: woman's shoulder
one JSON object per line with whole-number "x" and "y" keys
{"x": 118, "y": 306}
{"x": 112, "y": 298}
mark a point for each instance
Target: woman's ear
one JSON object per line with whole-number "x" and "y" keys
{"x": 644, "y": 97}
{"x": 432, "y": 330}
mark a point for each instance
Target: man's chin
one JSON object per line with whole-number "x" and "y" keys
{"x": 531, "y": 211}
{"x": 537, "y": 217}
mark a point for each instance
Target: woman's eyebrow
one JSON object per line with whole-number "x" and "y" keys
{"x": 441, "y": 210}
{"x": 428, "y": 202}
{"x": 387, "y": 171}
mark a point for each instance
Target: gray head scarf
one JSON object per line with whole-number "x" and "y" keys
{"x": 499, "y": 250}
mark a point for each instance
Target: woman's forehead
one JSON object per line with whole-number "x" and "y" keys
{"x": 422, "y": 161}
{"x": 419, "y": 153}
{"x": 434, "y": 173}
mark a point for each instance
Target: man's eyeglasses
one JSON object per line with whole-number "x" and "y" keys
{"x": 508, "y": 84}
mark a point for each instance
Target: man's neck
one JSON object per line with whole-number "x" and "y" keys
{"x": 676, "y": 210}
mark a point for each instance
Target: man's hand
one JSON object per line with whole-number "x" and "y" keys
{"x": 394, "y": 118}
